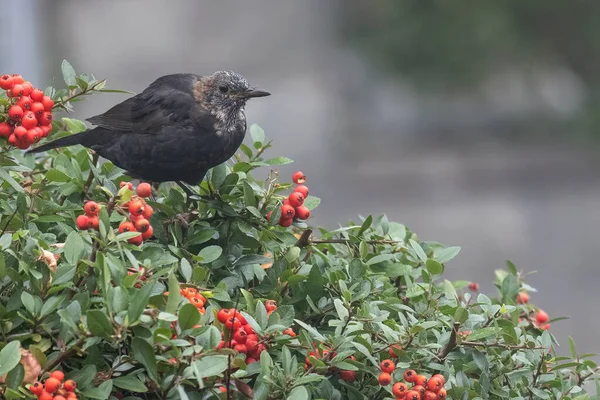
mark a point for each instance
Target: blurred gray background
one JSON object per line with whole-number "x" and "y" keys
{"x": 475, "y": 124}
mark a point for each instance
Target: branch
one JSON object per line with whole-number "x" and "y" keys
{"x": 451, "y": 343}
{"x": 63, "y": 356}
{"x": 537, "y": 374}
{"x": 500, "y": 345}
{"x": 61, "y": 103}
{"x": 90, "y": 179}
{"x": 9, "y": 219}
{"x": 304, "y": 239}
{"x": 344, "y": 241}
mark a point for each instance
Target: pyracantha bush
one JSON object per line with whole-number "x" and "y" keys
{"x": 223, "y": 300}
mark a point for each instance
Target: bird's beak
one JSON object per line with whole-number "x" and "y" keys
{"x": 255, "y": 93}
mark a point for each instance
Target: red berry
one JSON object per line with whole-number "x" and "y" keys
{"x": 541, "y": 317}
{"x": 241, "y": 318}
{"x": 249, "y": 329}
{"x": 296, "y": 199}
{"x": 286, "y": 222}
{"x": 6, "y": 82}
{"x": 25, "y": 102}
{"x": 33, "y": 136}
{"x": 420, "y": 380}
{"x": 48, "y": 103}
{"x": 474, "y": 286}
{"x": 250, "y": 360}
{"x": 137, "y": 240}
{"x": 240, "y": 348}
{"x": 391, "y": 350}
{"x": 136, "y": 207}
{"x": 269, "y": 215}
{"x": 348, "y": 376}
{"x": 240, "y": 336}
{"x": 93, "y": 223}
{"x": 58, "y": 375}
{"x": 46, "y": 130}
{"x": 302, "y": 189}
{"x": 17, "y": 78}
{"x": 270, "y": 305}
{"x": 91, "y": 208}
{"x": 37, "y": 108}
{"x": 287, "y": 212}
{"x": 399, "y": 389}
{"x": 148, "y": 234}
{"x": 440, "y": 377}
{"x": 302, "y": 213}
{"x": 233, "y": 323}
{"x": 144, "y": 189}
{"x": 27, "y": 88}
{"x": 37, "y": 387}
{"x": 29, "y": 120}
{"x": 142, "y": 225}
{"x": 70, "y": 385}
{"x": 128, "y": 184}
{"x": 51, "y": 385}
{"x": 12, "y": 140}
{"x": 298, "y": 177}
{"x": 420, "y": 389}
{"x": 20, "y": 132}
{"x": 5, "y": 129}
{"x": 223, "y": 315}
{"x": 441, "y": 395}
{"x": 286, "y": 201}
{"x": 147, "y": 213}
{"x": 387, "y": 366}
{"x": 46, "y": 118}
{"x": 384, "y": 379}
{"x": 522, "y": 298}
{"x": 410, "y": 375}
{"x": 545, "y": 327}
{"x": 430, "y": 395}
{"x": 17, "y": 90}
{"x": 126, "y": 227}
{"x": 23, "y": 144}
{"x": 15, "y": 113}
{"x": 37, "y": 95}
{"x": 251, "y": 345}
{"x": 413, "y": 395}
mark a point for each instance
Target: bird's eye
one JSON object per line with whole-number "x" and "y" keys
{"x": 224, "y": 88}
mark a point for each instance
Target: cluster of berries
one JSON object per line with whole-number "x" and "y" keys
{"x": 194, "y": 297}
{"x": 293, "y": 207}
{"x": 89, "y": 220}
{"x": 241, "y": 336}
{"x": 139, "y": 213}
{"x": 29, "y": 115}
{"x": 421, "y": 388}
{"x": 541, "y": 317}
{"x": 143, "y": 275}
{"x": 325, "y": 355}
{"x": 54, "y": 388}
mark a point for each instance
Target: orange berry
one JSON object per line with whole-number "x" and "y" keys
{"x": 430, "y": 395}
{"x": 147, "y": 213}
{"x": 137, "y": 240}
{"x": 420, "y": 380}
{"x": 91, "y": 208}
{"x": 36, "y": 388}
{"x": 441, "y": 395}
{"x": 70, "y": 385}
{"x": 387, "y": 366}
{"x": 136, "y": 207}
{"x": 128, "y": 184}
{"x": 142, "y": 225}
{"x": 420, "y": 389}
{"x": 197, "y": 302}
{"x": 434, "y": 384}
{"x": 410, "y": 375}
{"x": 126, "y": 227}
{"x": 45, "y": 396}
{"x": 144, "y": 190}
{"x": 189, "y": 292}
{"x": 522, "y": 298}
{"x": 59, "y": 397}
{"x": 392, "y": 352}
{"x": 58, "y": 375}
{"x": 399, "y": 389}
{"x": 270, "y": 305}
{"x": 440, "y": 377}
{"x": 384, "y": 379}
{"x": 148, "y": 234}
{"x": 413, "y": 395}
{"x": 51, "y": 385}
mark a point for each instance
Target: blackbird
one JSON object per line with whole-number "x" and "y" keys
{"x": 175, "y": 130}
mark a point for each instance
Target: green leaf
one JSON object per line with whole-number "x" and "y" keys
{"x": 262, "y": 318}
{"x": 51, "y": 305}
{"x": 434, "y": 267}
{"x": 312, "y": 202}
{"x": 185, "y": 268}
{"x": 380, "y": 258}
{"x": 188, "y": 316}
{"x": 210, "y": 254}
{"x": 365, "y": 225}
{"x": 174, "y": 296}
{"x": 210, "y": 366}
{"x": 484, "y": 333}
{"x": 299, "y": 393}
{"x": 572, "y": 348}
{"x": 139, "y": 301}
{"x": 312, "y": 331}
{"x": 28, "y": 302}
{"x": 74, "y": 247}
{"x": 10, "y": 356}
{"x": 102, "y": 392}
{"x": 15, "y": 377}
{"x": 55, "y": 175}
{"x": 258, "y": 135}
{"x": 143, "y": 352}
{"x": 342, "y": 311}
{"x": 279, "y": 161}
{"x": 130, "y": 383}
{"x": 75, "y": 125}
{"x": 99, "y": 324}
{"x": 418, "y": 249}
{"x": 68, "y": 73}
{"x": 447, "y": 254}
{"x": 249, "y": 197}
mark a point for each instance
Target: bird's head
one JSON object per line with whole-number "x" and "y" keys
{"x": 224, "y": 92}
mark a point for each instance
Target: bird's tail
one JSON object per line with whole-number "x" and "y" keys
{"x": 71, "y": 140}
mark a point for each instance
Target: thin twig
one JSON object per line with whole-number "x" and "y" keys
{"x": 63, "y": 356}
{"x": 90, "y": 179}
{"x": 451, "y": 343}
{"x": 9, "y": 219}
{"x": 536, "y": 375}
{"x": 344, "y": 241}
{"x": 500, "y": 345}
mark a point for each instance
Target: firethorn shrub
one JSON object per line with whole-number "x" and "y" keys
{"x": 113, "y": 289}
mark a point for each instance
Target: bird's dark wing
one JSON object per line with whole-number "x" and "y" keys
{"x": 167, "y": 101}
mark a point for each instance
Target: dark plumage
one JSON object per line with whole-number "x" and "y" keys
{"x": 175, "y": 130}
